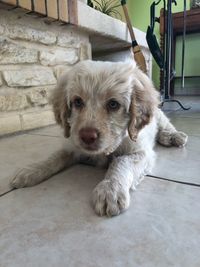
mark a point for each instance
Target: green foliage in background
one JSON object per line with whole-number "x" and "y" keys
{"x": 108, "y": 7}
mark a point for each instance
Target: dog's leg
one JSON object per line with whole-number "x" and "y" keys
{"x": 111, "y": 196}
{"x": 36, "y": 173}
{"x": 167, "y": 134}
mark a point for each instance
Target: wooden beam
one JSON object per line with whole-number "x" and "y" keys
{"x": 25, "y": 4}
{"x": 39, "y": 6}
{"x": 52, "y": 9}
{"x": 63, "y": 11}
{"x": 9, "y": 2}
{"x": 73, "y": 12}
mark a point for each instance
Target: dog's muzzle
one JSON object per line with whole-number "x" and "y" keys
{"x": 89, "y": 138}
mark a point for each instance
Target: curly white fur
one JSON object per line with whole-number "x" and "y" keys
{"x": 126, "y": 135}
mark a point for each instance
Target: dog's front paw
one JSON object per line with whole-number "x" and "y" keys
{"x": 167, "y": 138}
{"x": 179, "y": 139}
{"x": 23, "y": 178}
{"x": 110, "y": 198}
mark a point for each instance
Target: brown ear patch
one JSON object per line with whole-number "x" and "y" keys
{"x": 61, "y": 109}
{"x": 143, "y": 103}
{"x": 65, "y": 114}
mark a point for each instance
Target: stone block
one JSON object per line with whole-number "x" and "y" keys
{"x": 59, "y": 57}
{"x": 1, "y": 29}
{"x": 1, "y": 81}
{"x": 10, "y": 124}
{"x": 30, "y": 34}
{"x": 26, "y": 77}
{"x": 68, "y": 40}
{"x": 85, "y": 51}
{"x": 38, "y": 119}
{"x": 11, "y": 53}
{"x": 11, "y": 102}
{"x": 39, "y": 96}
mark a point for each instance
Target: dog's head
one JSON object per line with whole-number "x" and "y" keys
{"x": 97, "y": 102}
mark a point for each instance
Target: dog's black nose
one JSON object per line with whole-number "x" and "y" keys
{"x": 88, "y": 135}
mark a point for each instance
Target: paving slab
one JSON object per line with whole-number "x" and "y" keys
{"x": 194, "y": 112}
{"x": 187, "y": 101}
{"x": 172, "y": 163}
{"x": 173, "y": 106}
{"x": 180, "y": 164}
{"x": 187, "y": 121}
{"x": 190, "y": 126}
{"x": 53, "y": 224}
{"x": 53, "y": 131}
{"x": 18, "y": 151}
{"x": 192, "y": 99}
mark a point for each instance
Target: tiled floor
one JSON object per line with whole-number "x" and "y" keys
{"x": 53, "y": 224}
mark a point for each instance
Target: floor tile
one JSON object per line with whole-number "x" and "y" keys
{"x": 193, "y": 99}
{"x": 170, "y": 106}
{"x": 187, "y": 101}
{"x": 180, "y": 164}
{"x": 190, "y": 126}
{"x": 193, "y": 112}
{"x": 185, "y": 114}
{"x": 53, "y": 224}
{"x": 53, "y": 131}
{"x": 18, "y": 151}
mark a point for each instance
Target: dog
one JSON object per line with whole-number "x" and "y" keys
{"x": 110, "y": 117}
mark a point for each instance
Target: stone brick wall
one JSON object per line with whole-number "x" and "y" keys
{"x": 33, "y": 54}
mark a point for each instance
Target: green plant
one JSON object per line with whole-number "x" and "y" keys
{"x": 108, "y": 7}
{"x": 89, "y": 2}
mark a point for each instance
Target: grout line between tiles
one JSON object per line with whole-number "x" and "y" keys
{"x": 5, "y": 193}
{"x": 150, "y": 176}
{"x": 44, "y": 135}
{"x": 173, "y": 181}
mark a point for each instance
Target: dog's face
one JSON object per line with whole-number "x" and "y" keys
{"x": 97, "y": 102}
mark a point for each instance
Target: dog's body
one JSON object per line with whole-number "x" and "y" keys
{"x": 110, "y": 116}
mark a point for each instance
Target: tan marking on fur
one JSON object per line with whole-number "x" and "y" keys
{"x": 80, "y": 92}
{"x": 61, "y": 110}
{"x": 143, "y": 103}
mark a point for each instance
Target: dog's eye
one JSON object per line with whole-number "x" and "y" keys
{"x": 113, "y": 105}
{"x": 78, "y": 102}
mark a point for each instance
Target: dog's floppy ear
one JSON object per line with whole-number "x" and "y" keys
{"x": 60, "y": 106}
{"x": 144, "y": 100}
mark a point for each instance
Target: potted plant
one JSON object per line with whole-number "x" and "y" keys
{"x": 108, "y": 7}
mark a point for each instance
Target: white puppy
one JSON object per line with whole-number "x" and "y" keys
{"x": 110, "y": 116}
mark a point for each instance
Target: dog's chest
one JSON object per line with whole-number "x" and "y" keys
{"x": 99, "y": 160}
